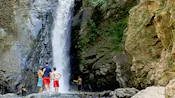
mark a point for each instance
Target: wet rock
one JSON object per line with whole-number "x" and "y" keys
{"x": 41, "y": 50}
{"x": 25, "y": 34}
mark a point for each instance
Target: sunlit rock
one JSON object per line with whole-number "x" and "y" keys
{"x": 170, "y": 89}
{"x": 151, "y": 92}
{"x": 150, "y": 42}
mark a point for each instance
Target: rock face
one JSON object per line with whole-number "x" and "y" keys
{"x": 25, "y": 41}
{"x": 42, "y": 45}
{"x": 150, "y": 42}
{"x": 8, "y": 34}
{"x": 151, "y": 92}
{"x": 97, "y": 51}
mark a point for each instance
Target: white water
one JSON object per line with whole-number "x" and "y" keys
{"x": 61, "y": 42}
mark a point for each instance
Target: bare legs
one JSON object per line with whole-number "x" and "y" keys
{"x": 40, "y": 90}
{"x": 56, "y": 89}
{"x": 47, "y": 87}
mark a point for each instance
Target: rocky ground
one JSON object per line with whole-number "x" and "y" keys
{"x": 149, "y": 92}
{"x": 118, "y": 93}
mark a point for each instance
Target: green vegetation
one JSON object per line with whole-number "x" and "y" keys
{"x": 161, "y": 2}
{"x": 116, "y": 32}
{"x": 90, "y": 37}
{"x": 94, "y": 31}
{"x": 103, "y": 3}
{"x": 98, "y": 28}
{"x": 170, "y": 63}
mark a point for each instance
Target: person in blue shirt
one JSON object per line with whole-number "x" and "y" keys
{"x": 46, "y": 76}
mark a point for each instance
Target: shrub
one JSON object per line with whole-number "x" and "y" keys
{"x": 170, "y": 63}
{"x": 98, "y": 2}
{"x": 116, "y": 32}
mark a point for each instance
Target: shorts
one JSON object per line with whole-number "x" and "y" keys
{"x": 79, "y": 87}
{"x": 46, "y": 80}
{"x": 40, "y": 82}
{"x": 56, "y": 83}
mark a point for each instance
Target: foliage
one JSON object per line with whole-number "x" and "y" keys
{"x": 93, "y": 31}
{"x": 96, "y": 27}
{"x": 98, "y": 2}
{"x": 161, "y": 2}
{"x": 116, "y": 32}
{"x": 170, "y": 63}
{"x": 90, "y": 37}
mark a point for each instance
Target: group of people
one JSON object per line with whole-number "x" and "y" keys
{"x": 45, "y": 75}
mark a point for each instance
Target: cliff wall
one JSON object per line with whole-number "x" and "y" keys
{"x": 150, "y": 42}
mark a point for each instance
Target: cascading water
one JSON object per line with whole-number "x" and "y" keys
{"x": 61, "y": 41}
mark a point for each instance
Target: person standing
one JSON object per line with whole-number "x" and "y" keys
{"x": 56, "y": 77}
{"x": 40, "y": 80}
{"x": 46, "y": 76}
{"x": 79, "y": 83}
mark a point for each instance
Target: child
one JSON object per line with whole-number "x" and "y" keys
{"x": 40, "y": 75}
{"x": 56, "y": 77}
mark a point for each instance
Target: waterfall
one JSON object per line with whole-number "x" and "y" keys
{"x": 61, "y": 41}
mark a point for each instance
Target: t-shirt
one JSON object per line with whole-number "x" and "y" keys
{"x": 56, "y": 75}
{"x": 47, "y": 71}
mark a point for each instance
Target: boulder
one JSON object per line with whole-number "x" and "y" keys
{"x": 170, "y": 89}
{"x": 151, "y": 92}
{"x": 124, "y": 92}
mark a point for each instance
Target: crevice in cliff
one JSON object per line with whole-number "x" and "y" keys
{"x": 157, "y": 42}
{"x": 151, "y": 21}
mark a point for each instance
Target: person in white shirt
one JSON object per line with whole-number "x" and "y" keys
{"x": 56, "y": 78}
